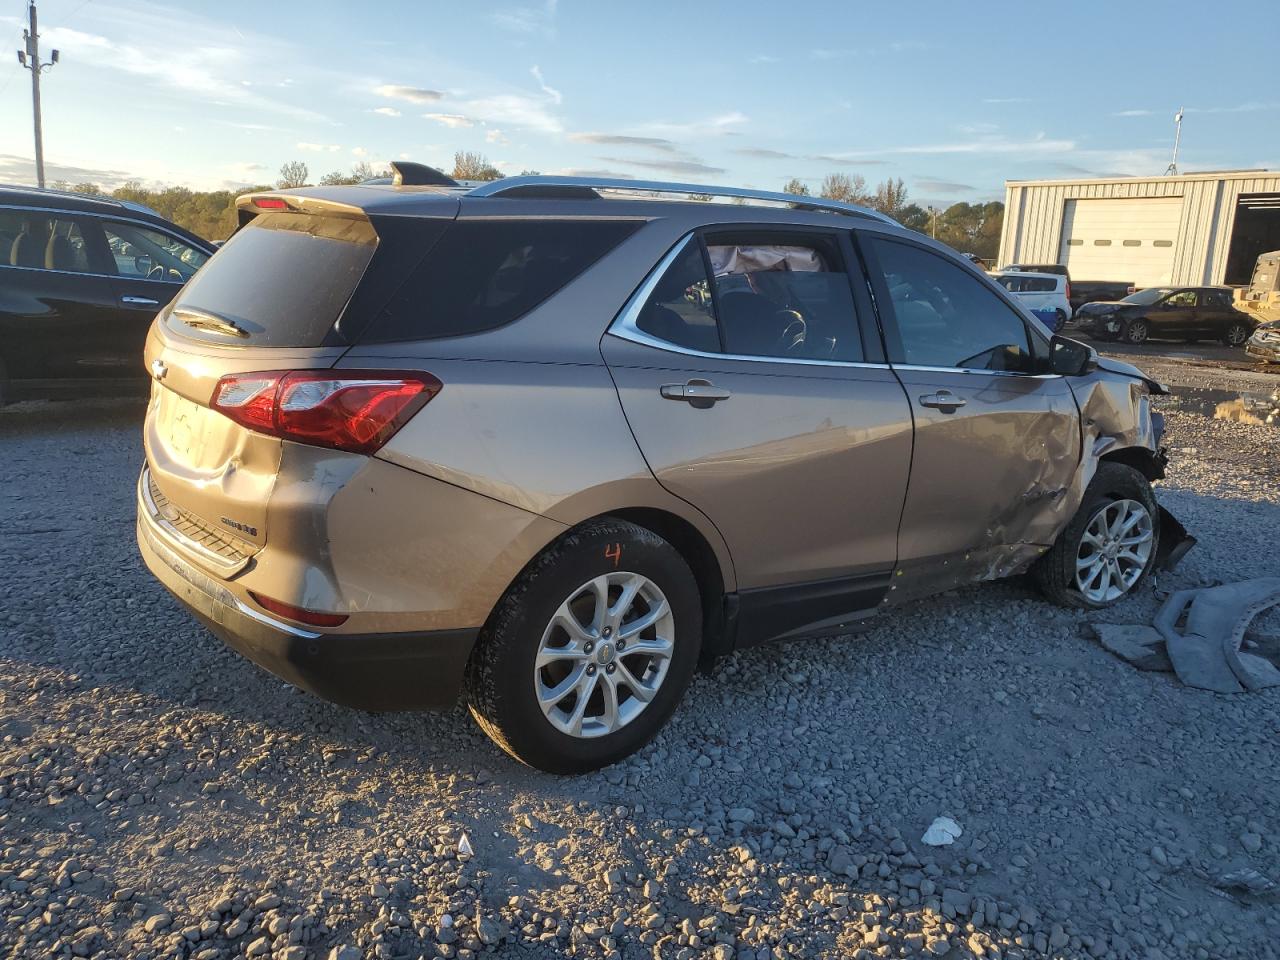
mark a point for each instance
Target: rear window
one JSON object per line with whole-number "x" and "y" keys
{"x": 1016, "y": 284}
{"x": 283, "y": 279}
{"x": 483, "y": 274}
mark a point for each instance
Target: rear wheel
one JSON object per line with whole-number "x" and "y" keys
{"x": 1236, "y": 334}
{"x": 1061, "y": 317}
{"x": 1135, "y": 331}
{"x": 1110, "y": 545}
{"x": 589, "y": 652}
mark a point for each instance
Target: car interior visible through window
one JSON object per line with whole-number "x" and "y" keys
{"x": 40, "y": 241}
{"x": 785, "y": 297}
{"x": 947, "y": 317}
{"x": 149, "y": 254}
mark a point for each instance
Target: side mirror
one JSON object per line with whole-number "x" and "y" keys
{"x": 1071, "y": 358}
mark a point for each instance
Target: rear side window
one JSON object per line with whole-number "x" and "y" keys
{"x": 29, "y": 238}
{"x": 773, "y": 294}
{"x": 283, "y": 279}
{"x": 1027, "y": 284}
{"x": 483, "y": 274}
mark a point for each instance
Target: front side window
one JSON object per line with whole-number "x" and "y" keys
{"x": 1183, "y": 298}
{"x": 946, "y": 317}
{"x": 42, "y": 241}
{"x": 146, "y": 254}
{"x": 767, "y": 295}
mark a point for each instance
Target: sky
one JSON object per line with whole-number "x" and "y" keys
{"x": 954, "y": 98}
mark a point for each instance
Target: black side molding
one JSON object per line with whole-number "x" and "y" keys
{"x": 817, "y": 606}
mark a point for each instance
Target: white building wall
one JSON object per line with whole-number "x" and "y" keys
{"x": 1033, "y": 216}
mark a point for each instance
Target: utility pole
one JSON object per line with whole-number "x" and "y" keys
{"x": 30, "y": 59}
{"x": 1172, "y": 169}
{"x": 933, "y": 221}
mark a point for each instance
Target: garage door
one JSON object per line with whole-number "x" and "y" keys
{"x": 1127, "y": 240}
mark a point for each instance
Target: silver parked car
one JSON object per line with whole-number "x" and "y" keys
{"x": 550, "y": 443}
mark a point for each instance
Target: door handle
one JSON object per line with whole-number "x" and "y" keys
{"x": 140, "y": 301}
{"x": 944, "y": 400}
{"x": 696, "y": 393}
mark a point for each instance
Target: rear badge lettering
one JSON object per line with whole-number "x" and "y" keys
{"x": 237, "y": 525}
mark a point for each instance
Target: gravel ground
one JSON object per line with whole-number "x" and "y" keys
{"x": 160, "y": 796}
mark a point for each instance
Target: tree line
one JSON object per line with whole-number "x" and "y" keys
{"x": 968, "y": 227}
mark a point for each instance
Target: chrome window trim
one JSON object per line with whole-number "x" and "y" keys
{"x": 624, "y": 325}
{"x": 986, "y": 373}
{"x": 82, "y": 273}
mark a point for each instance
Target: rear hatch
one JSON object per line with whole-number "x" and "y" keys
{"x": 291, "y": 290}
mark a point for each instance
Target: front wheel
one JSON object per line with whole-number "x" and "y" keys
{"x": 1135, "y": 331}
{"x": 1110, "y": 545}
{"x": 588, "y": 653}
{"x": 1236, "y": 334}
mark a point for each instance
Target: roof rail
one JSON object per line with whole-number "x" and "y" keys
{"x": 531, "y": 186}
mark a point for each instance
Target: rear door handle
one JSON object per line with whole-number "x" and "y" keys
{"x": 140, "y": 301}
{"x": 696, "y": 393}
{"x": 944, "y": 400}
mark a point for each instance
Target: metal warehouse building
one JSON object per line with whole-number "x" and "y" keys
{"x": 1200, "y": 228}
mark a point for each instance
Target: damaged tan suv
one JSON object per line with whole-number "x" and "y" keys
{"x": 551, "y": 443}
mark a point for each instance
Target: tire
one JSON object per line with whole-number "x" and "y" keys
{"x": 1236, "y": 334}
{"x": 1056, "y": 572}
{"x": 1062, "y": 320}
{"x": 502, "y": 681}
{"x": 1135, "y": 331}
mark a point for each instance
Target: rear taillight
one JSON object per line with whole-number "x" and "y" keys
{"x": 1067, "y": 292}
{"x": 353, "y": 410}
{"x": 312, "y": 617}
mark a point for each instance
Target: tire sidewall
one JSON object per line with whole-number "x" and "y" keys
{"x": 1244, "y": 335}
{"x": 1111, "y": 482}
{"x": 503, "y": 674}
{"x": 1127, "y": 333}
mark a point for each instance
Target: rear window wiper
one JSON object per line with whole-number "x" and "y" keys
{"x": 200, "y": 320}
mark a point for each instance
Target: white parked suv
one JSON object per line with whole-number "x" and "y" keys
{"x": 1047, "y": 295}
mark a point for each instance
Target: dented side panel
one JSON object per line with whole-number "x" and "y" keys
{"x": 994, "y": 483}
{"x": 991, "y": 480}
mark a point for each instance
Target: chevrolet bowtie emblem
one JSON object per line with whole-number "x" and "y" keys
{"x": 159, "y": 369}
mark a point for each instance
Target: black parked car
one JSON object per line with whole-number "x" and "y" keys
{"x": 1169, "y": 313}
{"x": 80, "y": 279}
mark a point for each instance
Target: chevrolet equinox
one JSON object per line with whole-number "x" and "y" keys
{"x": 551, "y": 443}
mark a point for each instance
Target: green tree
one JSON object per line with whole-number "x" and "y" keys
{"x": 973, "y": 227}
{"x": 890, "y": 197}
{"x": 796, "y": 186}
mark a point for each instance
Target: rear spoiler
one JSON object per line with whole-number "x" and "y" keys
{"x": 252, "y": 204}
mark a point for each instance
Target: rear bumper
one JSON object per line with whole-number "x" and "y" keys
{"x": 396, "y": 671}
{"x": 1269, "y": 350}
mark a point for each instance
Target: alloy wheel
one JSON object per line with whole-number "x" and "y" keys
{"x": 1136, "y": 331}
{"x": 1237, "y": 334}
{"x": 604, "y": 655}
{"x": 1114, "y": 551}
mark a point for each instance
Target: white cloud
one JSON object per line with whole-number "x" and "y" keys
{"x": 396, "y": 91}
{"x": 620, "y": 139}
{"x": 515, "y": 110}
{"x": 551, "y": 92}
{"x": 1132, "y": 113}
{"x": 450, "y": 119}
{"x": 211, "y": 70}
{"x": 306, "y": 147}
{"x": 711, "y": 126}
{"x": 528, "y": 20}
{"x": 1006, "y": 99}
{"x": 496, "y": 136}
{"x": 763, "y": 58}
{"x": 1252, "y": 106}
{"x": 387, "y": 111}
{"x": 359, "y": 152}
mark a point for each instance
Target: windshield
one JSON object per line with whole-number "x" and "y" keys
{"x": 1149, "y": 296}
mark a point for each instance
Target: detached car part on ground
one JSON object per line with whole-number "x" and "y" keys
{"x": 1265, "y": 342}
{"x": 552, "y": 444}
